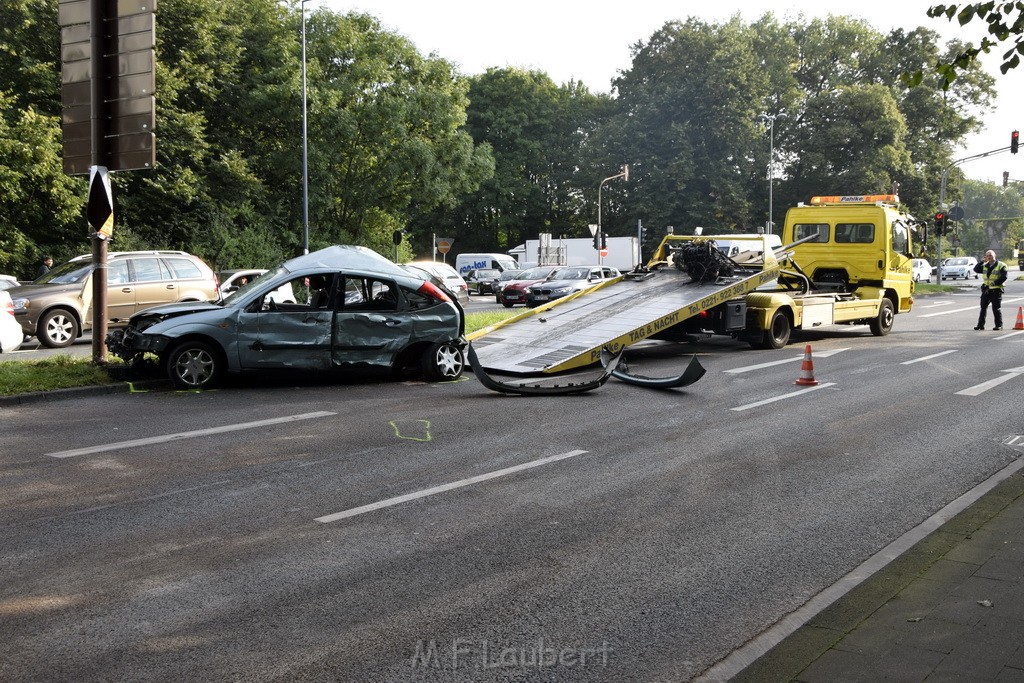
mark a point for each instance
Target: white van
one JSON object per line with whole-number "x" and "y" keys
{"x": 467, "y": 262}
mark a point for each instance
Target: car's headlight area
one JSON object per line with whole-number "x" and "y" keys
{"x": 21, "y": 304}
{"x": 561, "y": 290}
{"x": 147, "y": 343}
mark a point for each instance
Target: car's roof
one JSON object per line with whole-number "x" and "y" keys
{"x": 345, "y": 256}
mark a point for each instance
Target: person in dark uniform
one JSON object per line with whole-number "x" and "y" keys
{"x": 993, "y": 273}
{"x": 45, "y": 266}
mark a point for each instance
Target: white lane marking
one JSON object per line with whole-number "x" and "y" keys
{"x": 783, "y": 397}
{"x": 352, "y": 512}
{"x": 187, "y": 435}
{"x": 955, "y": 310}
{"x": 992, "y": 383}
{"x": 1010, "y": 334}
{"x": 762, "y": 366}
{"x": 969, "y": 308}
{"x": 937, "y": 304}
{"x": 923, "y": 358}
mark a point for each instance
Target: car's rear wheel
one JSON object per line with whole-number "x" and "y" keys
{"x": 57, "y": 328}
{"x": 443, "y": 362}
{"x": 195, "y": 365}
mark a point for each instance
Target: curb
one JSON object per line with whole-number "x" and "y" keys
{"x": 78, "y": 392}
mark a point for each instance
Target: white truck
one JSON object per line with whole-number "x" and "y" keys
{"x": 623, "y": 253}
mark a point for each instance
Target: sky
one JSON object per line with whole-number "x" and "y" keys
{"x": 590, "y": 41}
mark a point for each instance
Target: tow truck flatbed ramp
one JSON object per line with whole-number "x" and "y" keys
{"x": 570, "y": 333}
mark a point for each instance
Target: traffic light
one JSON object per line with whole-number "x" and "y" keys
{"x": 1014, "y": 141}
{"x": 1006, "y": 178}
{"x": 940, "y": 223}
{"x": 604, "y": 240}
{"x": 597, "y": 241}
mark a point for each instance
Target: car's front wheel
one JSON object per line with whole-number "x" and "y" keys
{"x": 57, "y": 329}
{"x": 195, "y": 365}
{"x": 443, "y": 362}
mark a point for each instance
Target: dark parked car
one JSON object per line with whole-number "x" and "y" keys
{"x": 504, "y": 279}
{"x": 482, "y": 280}
{"x": 357, "y": 311}
{"x": 514, "y": 292}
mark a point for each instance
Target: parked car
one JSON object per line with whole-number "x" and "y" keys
{"x": 506, "y": 277}
{"x": 364, "y": 313}
{"x": 566, "y": 281}
{"x": 959, "y": 266}
{"x": 11, "y": 335}
{"x": 514, "y": 292}
{"x": 921, "y": 269}
{"x": 453, "y": 282}
{"x": 233, "y": 280}
{"x": 482, "y": 280}
{"x": 57, "y": 307}
{"x": 8, "y": 281}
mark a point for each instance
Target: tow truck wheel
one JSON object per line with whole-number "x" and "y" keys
{"x": 882, "y": 324}
{"x": 777, "y": 334}
{"x": 443, "y": 362}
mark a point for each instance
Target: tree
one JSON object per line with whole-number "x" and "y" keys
{"x": 1005, "y": 23}
{"x": 535, "y": 130}
{"x": 684, "y": 121}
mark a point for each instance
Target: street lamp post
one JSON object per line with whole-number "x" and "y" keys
{"x": 598, "y": 237}
{"x": 769, "y": 120}
{"x": 305, "y": 154}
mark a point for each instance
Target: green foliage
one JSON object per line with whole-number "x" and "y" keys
{"x": 62, "y": 371}
{"x": 1005, "y": 23}
{"x": 398, "y": 140}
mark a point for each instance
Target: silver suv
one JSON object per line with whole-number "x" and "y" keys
{"x": 57, "y": 307}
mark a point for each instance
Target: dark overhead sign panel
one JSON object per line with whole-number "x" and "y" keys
{"x": 117, "y": 132}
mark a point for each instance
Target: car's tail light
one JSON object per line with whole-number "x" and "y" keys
{"x": 8, "y": 306}
{"x": 432, "y": 290}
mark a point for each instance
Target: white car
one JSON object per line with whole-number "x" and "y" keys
{"x": 959, "y": 266}
{"x": 11, "y": 334}
{"x": 453, "y": 282}
{"x": 921, "y": 270}
{"x": 233, "y": 280}
{"x": 8, "y": 281}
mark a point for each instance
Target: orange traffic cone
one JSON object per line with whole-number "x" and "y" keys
{"x": 806, "y": 378}
{"x": 1019, "y": 325}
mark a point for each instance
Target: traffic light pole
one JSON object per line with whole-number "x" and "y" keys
{"x": 942, "y": 196}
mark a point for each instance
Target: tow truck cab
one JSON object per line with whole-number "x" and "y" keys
{"x": 861, "y": 244}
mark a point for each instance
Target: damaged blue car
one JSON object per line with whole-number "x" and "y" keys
{"x": 355, "y": 312}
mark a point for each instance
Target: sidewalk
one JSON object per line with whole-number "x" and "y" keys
{"x": 950, "y": 608}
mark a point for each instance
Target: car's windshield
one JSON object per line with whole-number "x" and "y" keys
{"x": 68, "y": 273}
{"x": 958, "y": 262}
{"x": 571, "y": 274}
{"x": 254, "y": 282}
{"x": 534, "y": 273}
{"x": 510, "y": 275}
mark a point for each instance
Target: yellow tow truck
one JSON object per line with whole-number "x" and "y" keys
{"x": 843, "y": 260}
{"x": 848, "y": 261}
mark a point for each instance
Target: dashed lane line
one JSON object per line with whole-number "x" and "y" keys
{"x": 390, "y": 502}
{"x": 186, "y": 435}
